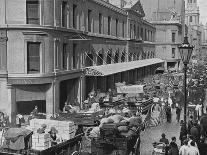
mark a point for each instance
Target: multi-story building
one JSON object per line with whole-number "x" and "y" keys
{"x": 192, "y": 21}
{"x": 168, "y": 38}
{"x": 54, "y": 51}
{"x": 166, "y": 16}
{"x": 162, "y": 9}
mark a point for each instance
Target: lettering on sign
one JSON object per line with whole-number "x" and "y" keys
{"x": 130, "y": 89}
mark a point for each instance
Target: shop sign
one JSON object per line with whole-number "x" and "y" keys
{"x": 130, "y": 89}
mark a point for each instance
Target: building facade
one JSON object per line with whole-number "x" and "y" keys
{"x": 51, "y": 51}
{"x": 194, "y": 30}
{"x": 168, "y": 38}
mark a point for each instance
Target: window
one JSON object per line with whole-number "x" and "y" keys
{"x": 130, "y": 31}
{"x": 135, "y": 31}
{"x": 191, "y": 19}
{"x": 32, "y": 12}
{"x": 123, "y": 29}
{"x": 33, "y": 57}
{"x": 74, "y": 55}
{"x": 173, "y": 52}
{"x": 64, "y": 56}
{"x": 123, "y": 57}
{"x": 116, "y": 57}
{"x": 74, "y": 16}
{"x": 138, "y": 32}
{"x": 109, "y": 25}
{"x": 142, "y": 33}
{"x": 64, "y": 14}
{"x": 89, "y": 20}
{"x": 117, "y": 22}
{"x": 100, "y": 59}
{"x": 173, "y": 37}
{"x": 100, "y": 22}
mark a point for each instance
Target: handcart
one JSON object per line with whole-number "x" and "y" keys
{"x": 116, "y": 144}
{"x": 159, "y": 148}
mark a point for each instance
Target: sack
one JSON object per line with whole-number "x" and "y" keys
{"x": 123, "y": 128}
{"x": 116, "y": 118}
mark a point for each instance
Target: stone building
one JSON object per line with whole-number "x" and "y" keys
{"x": 168, "y": 38}
{"x": 192, "y": 16}
{"x": 54, "y": 51}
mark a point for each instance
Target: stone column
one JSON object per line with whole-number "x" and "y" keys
{"x": 52, "y": 99}
{"x": 11, "y": 109}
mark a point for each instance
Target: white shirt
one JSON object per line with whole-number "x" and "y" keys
{"x": 170, "y": 101}
{"x": 183, "y": 150}
{"x": 190, "y": 145}
{"x": 192, "y": 150}
{"x": 198, "y": 109}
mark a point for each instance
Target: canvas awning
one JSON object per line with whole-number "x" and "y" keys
{"x": 104, "y": 70}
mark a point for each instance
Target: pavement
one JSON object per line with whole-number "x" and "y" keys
{"x": 153, "y": 134}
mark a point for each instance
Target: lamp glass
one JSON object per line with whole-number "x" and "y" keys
{"x": 185, "y": 54}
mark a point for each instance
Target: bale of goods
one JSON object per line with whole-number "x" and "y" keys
{"x": 66, "y": 129}
{"x": 40, "y": 141}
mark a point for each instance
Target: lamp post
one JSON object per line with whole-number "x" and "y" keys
{"x": 185, "y": 53}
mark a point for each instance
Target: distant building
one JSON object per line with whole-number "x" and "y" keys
{"x": 168, "y": 38}
{"x": 158, "y": 10}
{"x": 192, "y": 21}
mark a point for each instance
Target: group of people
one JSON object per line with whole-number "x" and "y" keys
{"x": 188, "y": 146}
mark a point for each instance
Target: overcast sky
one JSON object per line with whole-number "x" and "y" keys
{"x": 203, "y": 11}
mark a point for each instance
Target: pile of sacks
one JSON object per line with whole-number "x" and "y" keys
{"x": 126, "y": 126}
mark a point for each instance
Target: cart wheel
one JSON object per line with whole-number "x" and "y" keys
{"x": 87, "y": 133}
{"x": 75, "y": 153}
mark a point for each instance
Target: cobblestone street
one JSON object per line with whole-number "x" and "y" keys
{"x": 154, "y": 134}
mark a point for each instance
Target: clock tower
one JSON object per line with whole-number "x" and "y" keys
{"x": 192, "y": 21}
{"x": 192, "y": 14}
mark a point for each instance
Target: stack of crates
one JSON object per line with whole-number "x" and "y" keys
{"x": 66, "y": 129}
{"x": 40, "y": 141}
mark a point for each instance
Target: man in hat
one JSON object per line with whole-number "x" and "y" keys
{"x": 53, "y": 136}
{"x": 163, "y": 139}
{"x": 35, "y": 111}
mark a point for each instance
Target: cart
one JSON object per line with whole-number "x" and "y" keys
{"x": 69, "y": 147}
{"x": 117, "y": 144}
{"x": 159, "y": 148}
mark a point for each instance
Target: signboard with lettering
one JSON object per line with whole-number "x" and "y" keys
{"x": 130, "y": 89}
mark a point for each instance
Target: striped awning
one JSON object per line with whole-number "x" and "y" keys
{"x": 109, "y": 69}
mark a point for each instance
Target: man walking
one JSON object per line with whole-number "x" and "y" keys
{"x": 178, "y": 111}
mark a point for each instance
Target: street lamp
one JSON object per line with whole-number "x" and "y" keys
{"x": 185, "y": 52}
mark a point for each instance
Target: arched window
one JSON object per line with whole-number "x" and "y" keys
{"x": 116, "y": 57}
{"x": 123, "y": 57}
{"x": 89, "y": 60}
{"x": 109, "y": 57}
{"x": 100, "y": 58}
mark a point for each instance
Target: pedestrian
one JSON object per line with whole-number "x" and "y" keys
{"x": 194, "y": 132}
{"x": 183, "y": 134}
{"x": 203, "y": 124}
{"x": 190, "y": 123}
{"x": 164, "y": 139}
{"x": 168, "y": 113}
{"x": 184, "y": 148}
{"x": 178, "y": 111}
{"x": 202, "y": 146}
{"x": 190, "y": 139}
{"x": 192, "y": 149}
{"x": 198, "y": 110}
{"x": 173, "y": 147}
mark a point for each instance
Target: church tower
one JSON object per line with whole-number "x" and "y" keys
{"x": 192, "y": 14}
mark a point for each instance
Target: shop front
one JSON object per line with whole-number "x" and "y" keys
{"x": 105, "y": 76}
